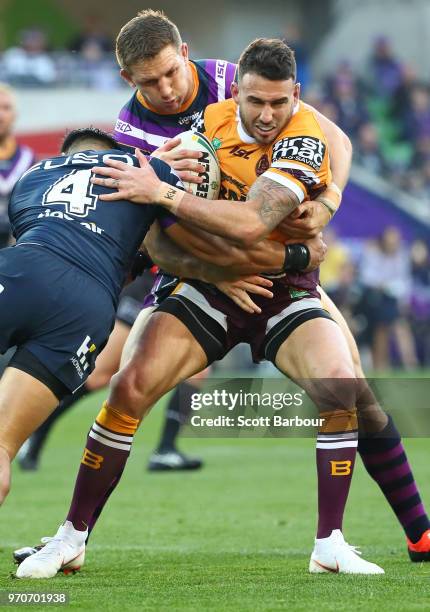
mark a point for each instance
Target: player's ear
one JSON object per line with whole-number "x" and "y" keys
{"x": 296, "y": 93}
{"x": 234, "y": 88}
{"x": 184, "y": 51}
{"x": 127, "y": 77}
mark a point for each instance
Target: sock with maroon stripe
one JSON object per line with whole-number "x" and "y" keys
{"x": 107, "y": 450}
{"x": 336, "y": 450}
{"x": 385, "y": 459}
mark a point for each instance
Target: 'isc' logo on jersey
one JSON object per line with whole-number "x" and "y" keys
{"x": 238, "y": 151}
{"x": 304, "y": 149}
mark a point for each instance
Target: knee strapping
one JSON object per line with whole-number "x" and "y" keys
{"x": 339, "y": 421}
{"x": 117, "y": 421}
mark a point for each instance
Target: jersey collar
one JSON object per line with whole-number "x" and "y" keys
{"x": 243, "y": 135}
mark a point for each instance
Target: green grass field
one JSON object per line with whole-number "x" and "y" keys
{"x": 235, "y": 536}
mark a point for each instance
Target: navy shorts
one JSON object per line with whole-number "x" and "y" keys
{"x": 58, "y": 313}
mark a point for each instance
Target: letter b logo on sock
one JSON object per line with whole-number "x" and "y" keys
{"x": 92, "y": 460}
{"x": 340, "y": 468}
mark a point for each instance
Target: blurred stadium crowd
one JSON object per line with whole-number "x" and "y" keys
{"x": 383, "y": 287}
{"x": 87, "y": 61}
{"x": 386, "y": 113}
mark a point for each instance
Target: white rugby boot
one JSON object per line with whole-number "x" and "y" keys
{"x": 334, "y": 555}
{"x": 64, "y": 552}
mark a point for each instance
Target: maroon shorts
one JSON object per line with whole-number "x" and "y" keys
{"x": 218, "y": 324}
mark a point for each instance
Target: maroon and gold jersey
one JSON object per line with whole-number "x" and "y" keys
{"x": 297, "y": 159}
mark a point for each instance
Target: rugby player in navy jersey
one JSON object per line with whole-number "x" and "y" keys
{"x": 59, "y": 285}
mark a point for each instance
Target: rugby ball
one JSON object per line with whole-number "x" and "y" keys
{"x": 211, "y": 175}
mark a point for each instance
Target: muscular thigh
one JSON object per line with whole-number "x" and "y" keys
{"x": 317, "y": 357}
{"x": 25, "y": 403}
{"x": 132, "y": 344}
{"x": 315, "y": 349}
{"x": 168, "y": 345}
{"x": 164, "y": 353}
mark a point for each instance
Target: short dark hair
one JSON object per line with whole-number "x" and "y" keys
{"x": 89, "y": 133}
{"x": 144, "y": 36}
{"x": 270, "y": 58}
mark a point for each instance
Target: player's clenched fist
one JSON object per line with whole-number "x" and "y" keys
{"x": 306, "y": 221}
{"x": 317, "y": 250}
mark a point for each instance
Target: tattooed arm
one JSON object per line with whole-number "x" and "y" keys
{"x": 245, "y": 223}
{"x": 267, "y": 204}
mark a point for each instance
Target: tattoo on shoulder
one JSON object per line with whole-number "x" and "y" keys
{"x": 275, "y": 201}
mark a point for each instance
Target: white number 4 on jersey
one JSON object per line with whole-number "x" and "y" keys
{"x": 74, "y": 191}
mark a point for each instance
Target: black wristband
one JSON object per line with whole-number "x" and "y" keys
{"x": 141, "y": 261}
{"x": 297, "y": 257}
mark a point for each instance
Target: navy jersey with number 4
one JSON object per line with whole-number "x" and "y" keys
{"x": 55, "y": 205}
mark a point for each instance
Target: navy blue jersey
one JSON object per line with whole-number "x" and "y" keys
{"x": 55, "y": 205}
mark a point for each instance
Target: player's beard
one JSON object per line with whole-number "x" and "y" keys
{"x": 251, "y": 130}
